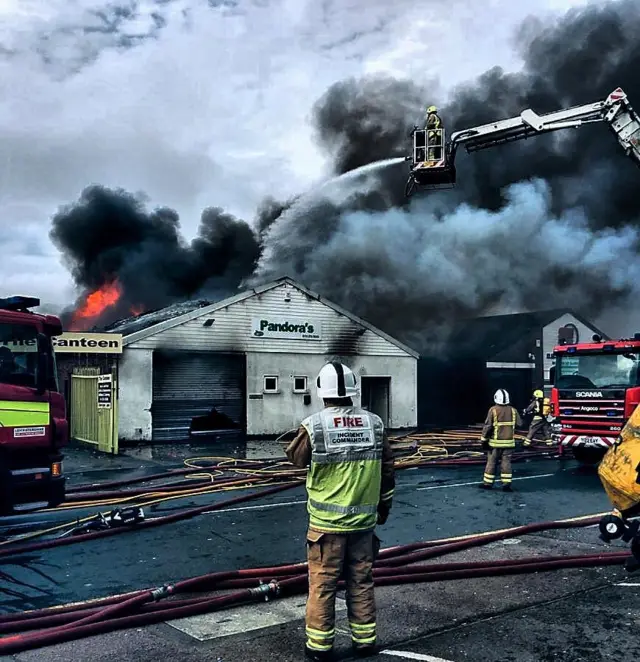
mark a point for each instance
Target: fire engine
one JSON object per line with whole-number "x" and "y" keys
{"x": 33, "y": 420}
{"x": 596, "y": 389}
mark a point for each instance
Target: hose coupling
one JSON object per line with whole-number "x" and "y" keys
{"x": 615, "y": 526}
{"x": 162, "y": 592}
{"x": 272, "y": 588}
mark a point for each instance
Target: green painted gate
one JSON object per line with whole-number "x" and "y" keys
{"x": 94, "y": 409}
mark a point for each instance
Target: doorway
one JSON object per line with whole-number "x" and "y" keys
{"x": 375, "y": 396}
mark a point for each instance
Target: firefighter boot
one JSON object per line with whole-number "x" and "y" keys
{"x": 317, "y": 656}
{"x": 366, "y": 651}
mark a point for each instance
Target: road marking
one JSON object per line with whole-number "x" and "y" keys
{"x": 475, "y": 482}
{"x": 263, "y": 506}
{"x": 627, "y": 584}
{"x": 414, "y": 656}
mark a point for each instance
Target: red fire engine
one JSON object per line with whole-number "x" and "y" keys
{"x": 596, "y": 388}
{"x": 33, "y": 421}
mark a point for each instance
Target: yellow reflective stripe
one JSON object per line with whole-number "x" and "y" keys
{"x": 25, "y": 406}
{"x": 502, "y": 443}
{"x": 318, "y": 647}
{"x": 13, "y": 414}
{"x": 319, "y": 634}
{"x": 363, "y": 640}
{"x": 387, "y": 495}
{"x": 358, "y": 627}
{"x": 323, "y": 527}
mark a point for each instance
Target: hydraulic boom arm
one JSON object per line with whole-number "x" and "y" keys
{"x": 615, "y": 110}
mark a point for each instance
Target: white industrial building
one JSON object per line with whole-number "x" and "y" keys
{"x": 252, "y": 360}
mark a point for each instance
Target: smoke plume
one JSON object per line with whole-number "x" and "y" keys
{"x": 548, "y": 222}
{"x": 544, "y": 223}
{"x": 108, "y": 236}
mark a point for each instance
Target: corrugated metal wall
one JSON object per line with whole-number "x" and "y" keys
{"x": 231, "y": 329}
{"x": 190, "y": 384}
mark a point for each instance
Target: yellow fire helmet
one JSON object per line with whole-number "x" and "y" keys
{"x": 432, "y": 109}
{"x": 538, "y": 393}
{"x": 618, "y": 470}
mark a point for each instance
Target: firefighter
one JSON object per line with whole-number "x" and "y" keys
{"x": 433, "y": 125}
{"x": 498, "y": 437}
{"x": 350, "y": 487}
{"x": 540, "y": 407}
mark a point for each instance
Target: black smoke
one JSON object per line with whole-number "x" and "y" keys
{"x": 580, "y": 59}
{"x": 543, "y": 223}
{"x": 108, "y": 235}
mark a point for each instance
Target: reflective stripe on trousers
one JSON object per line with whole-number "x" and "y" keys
{"x": 332, "y": 557}
{"x": 502, "y": 455}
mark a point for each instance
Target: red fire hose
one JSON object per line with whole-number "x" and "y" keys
{"x": 13, "y": 550}
{"x": 392, "y": 568}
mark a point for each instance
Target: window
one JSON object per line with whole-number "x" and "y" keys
{"x": 611, "y": 370}
{"x": 300, "y": 384}
{"x": 18, "y": 354}
{"x": 270, "y": 384}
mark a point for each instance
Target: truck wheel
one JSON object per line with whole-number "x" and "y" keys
{"x": 588, "y": 456}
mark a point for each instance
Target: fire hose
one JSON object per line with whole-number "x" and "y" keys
{"x": 221, "y": 474}
{"x": 394, "y": 566}
{"x": 15, "y": 549}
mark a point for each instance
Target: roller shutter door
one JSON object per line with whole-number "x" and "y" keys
{"x": 187, "y": 385}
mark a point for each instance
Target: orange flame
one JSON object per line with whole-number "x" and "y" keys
{"x": 95, "y": 304}
{"x": 137, "y": 310}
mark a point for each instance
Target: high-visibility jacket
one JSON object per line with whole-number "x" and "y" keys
{"x": 433, "y": 121}
{"x": 500, "y": 426}
{"x": 350, "y": 468}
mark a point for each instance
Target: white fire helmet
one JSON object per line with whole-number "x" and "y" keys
{"x": 501, "y": 397}
{"x": 336, "y": 380}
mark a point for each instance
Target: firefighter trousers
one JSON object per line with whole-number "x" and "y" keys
{"x": 332, "y": 557}
{"x": 539, "y": 425}
{"x": 503, "y": 456}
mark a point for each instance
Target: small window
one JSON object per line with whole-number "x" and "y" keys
{"x": 300, "y": 384}
{"x": 270, "y": 384}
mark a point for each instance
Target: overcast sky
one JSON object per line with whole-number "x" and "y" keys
{"x": 199, "y": 103}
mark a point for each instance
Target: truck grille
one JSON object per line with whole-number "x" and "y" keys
{"x": 591, "y": 415}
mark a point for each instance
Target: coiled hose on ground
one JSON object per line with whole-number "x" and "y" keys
{"x": 212, "y": 475}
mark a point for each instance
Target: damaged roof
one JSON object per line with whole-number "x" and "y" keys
{"x": 491, "y": 336}
{"x": 145, "y": 320}
{"x": 148, "y": 324}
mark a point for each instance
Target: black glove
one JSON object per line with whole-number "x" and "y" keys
{"x": 485, "y": 445}
{"x": 383, "y": 512}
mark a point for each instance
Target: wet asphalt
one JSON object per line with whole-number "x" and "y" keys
{"x": 573, "y": 615}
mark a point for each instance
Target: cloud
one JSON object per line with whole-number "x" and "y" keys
{"x": 198, "y": 103}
